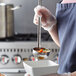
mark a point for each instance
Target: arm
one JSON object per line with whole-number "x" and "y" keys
{"x": 48, "y": 22}
{"x": 54, "y": 34}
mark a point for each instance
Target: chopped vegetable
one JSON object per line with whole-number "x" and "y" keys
{"x": 42, "y": 50}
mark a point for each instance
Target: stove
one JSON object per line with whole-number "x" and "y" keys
{"x": 26, "y": 37}
{"x": 16, "y": 49}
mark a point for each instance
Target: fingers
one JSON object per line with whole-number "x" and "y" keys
{"x": 37, "y": 10}
{"x": 47, "y": 18}
{"x": 35, "y": 20}
{"x": 43, "y": 12}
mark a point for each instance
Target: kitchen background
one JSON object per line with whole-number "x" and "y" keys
{"x": 13, "y": 51}
{"x": 24, "y": 16}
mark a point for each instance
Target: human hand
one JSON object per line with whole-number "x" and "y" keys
{"x": 47, "y": 18}
{"x": 73, "y": 74}
{"x": 2, "y": 74}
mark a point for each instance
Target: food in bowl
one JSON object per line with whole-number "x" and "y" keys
{"x": 41, "y": 58}
{"x": 41, "y": 50}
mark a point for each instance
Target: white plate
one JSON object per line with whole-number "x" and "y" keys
{"x": 38, "y": 68}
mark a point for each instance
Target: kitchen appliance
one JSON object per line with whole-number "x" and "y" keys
{"x": 15, "y": 50}
{"x": 6, "y": 20}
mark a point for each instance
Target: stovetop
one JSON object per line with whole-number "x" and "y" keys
{"x": 27, "y": 37}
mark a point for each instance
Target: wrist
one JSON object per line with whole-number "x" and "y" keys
{"x": 50, "y": 26}
{"x": 51, "y": 22}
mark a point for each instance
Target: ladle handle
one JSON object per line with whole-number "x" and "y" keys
{"x": 39, "y": 27}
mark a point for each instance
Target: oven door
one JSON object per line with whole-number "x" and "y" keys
{"x": 13, "y": 72}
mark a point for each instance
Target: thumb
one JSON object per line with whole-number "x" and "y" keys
{"x": 37, "y": 10}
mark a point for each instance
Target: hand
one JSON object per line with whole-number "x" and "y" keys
{"x": 73, "y": 74}
{"x": 2, "y": 75}
{"x": 47, "y": 19}
{"x": 27, "y": 74}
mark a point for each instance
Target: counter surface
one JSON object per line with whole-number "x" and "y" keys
{"x": 56, "y": 75}
{"x": 46, "y": 75}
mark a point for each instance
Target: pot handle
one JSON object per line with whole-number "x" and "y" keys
{"x": 17, "y": 7}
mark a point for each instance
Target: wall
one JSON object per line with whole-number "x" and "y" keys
{"x": 1, "y": 0}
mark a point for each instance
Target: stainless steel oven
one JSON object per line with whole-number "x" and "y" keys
{"x": 13, "y": 51}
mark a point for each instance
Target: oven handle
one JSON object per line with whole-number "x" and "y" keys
{"x": 21, "y": 71}
{"x": 12, "y": 71}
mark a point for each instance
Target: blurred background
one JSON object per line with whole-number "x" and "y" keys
{"x": 23, "y": 17}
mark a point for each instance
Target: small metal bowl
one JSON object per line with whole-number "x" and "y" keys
{"x": 38, "y": 55}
